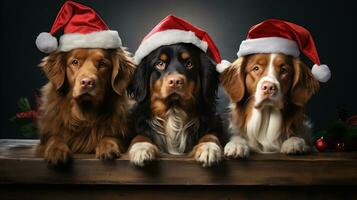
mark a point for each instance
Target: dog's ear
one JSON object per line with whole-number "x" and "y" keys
{"x": 304, "y": 84}
{"x": 138, "y": 87}
{"x": 232, "y": 80}
{"x": 209, "y": 80}
{"x": 54, "y": 67}
{"x": 123, "y": 70}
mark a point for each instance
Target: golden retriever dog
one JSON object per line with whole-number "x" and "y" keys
{"x": 84, "y": 105}
{"x": 268, "y": 92}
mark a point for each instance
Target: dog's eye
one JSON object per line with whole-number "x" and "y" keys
{"x": 101, "y": 64}
{"x": 160, "y": 65}
{"x": 189, "y": 64}
{"x": 283, "y": 69}
{"x": 75, "y": 62}
{"x": 256, "y": 68}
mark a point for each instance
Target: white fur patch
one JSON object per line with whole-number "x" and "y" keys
{"x": 263, "y": 130}
{"x": 270, "y": 77}
{"x": 101, "y": 39}
{"x": 167, "y": 37}
{"x": 173, "y": 130}
{"x": 232, "y": 128}
{"x": 271, "y": 68}
{"x": 141, "y": 152}
{"x": 210, "y": 153}
{"x": 237, "y": 147}
{"x": 258, "y": 93}
{"x": 294, "y": 145}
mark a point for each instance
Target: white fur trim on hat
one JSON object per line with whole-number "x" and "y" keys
{"x": 269, "y": 45}
{"x": 101, "y": 39}
{"x": 167, "y": 37}
{"x": 222, "y": 66}
{"x": 321, "y": 73}
{"x": 46, "y": 43}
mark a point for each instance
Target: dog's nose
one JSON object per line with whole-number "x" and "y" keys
{"x": 88, "y": 83}
{"x": 269, "y": 87}
{"x": 176, "y": 80}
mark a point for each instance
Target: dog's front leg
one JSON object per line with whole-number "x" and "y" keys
{"x": 108, "y": 148}
{"x": 142, "y": 150}
{"x": 208, "y": 151}
{"x": 294, "y": 145}
{"x": 237, "y": 147}
{"x": 57, "y": 151}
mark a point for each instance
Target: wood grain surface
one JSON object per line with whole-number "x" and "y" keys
{"x": 19, "y": 165}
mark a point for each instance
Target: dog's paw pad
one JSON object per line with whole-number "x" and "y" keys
{"x": 142, "y": 152}
{"x": 208, "y": 153}
{"x": 294, "y": 145}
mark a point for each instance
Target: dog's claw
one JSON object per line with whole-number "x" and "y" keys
{"x": 208, "y": 154}
{"x": 294, "y": 145}
{"x": 142, "y": 152}
{"x": 107, "y": 150}
{"x": 57, "y": 154}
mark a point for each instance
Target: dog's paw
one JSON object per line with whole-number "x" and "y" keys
{"x": 208, "y": 154}
{"x": 57, "y": 153}
{"x": 107, "y": 149}
{"x": 236, "y": 148}
{"x": 142, "y": 152}
{"x": 294, "y": 145}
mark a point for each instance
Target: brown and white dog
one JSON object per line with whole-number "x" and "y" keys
{"x": 268, "y": 93}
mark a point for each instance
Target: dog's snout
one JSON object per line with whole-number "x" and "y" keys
{"x": 269, "y": 87}
{"x": 176, "y": 80}
{"x": 88, "y": 83}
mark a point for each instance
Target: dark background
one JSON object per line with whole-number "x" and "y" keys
{"x": 331, "y": 22}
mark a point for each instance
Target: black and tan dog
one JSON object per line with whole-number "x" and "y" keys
{"x": 175, "y": 88}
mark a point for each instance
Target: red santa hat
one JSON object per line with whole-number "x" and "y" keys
{"x": 278, "y": 36}
{"x": 173, "y": 30}
{"x": 82, "y": 28}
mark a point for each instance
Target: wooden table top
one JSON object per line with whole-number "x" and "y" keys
{"x": 18, "y": 164}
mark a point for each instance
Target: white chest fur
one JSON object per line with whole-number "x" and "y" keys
{"x": 173, "y": 131}
{"x": 264, "y": 130}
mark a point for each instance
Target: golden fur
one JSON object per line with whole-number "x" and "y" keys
{"x": 75, "y": 121}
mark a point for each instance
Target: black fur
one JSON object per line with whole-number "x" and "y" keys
{"x": 204, "y": 72}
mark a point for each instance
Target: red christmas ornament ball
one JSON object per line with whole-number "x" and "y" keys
{"x": 321, "y": 144}
{"x": 340, "y": 146}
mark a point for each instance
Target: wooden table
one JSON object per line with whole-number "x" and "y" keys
{"x": 318, "y": 175}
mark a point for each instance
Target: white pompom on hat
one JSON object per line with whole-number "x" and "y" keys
{"x": 223, "y": 66}
{"x": 278, "y": 36}
{"x": 46, "y": 43}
